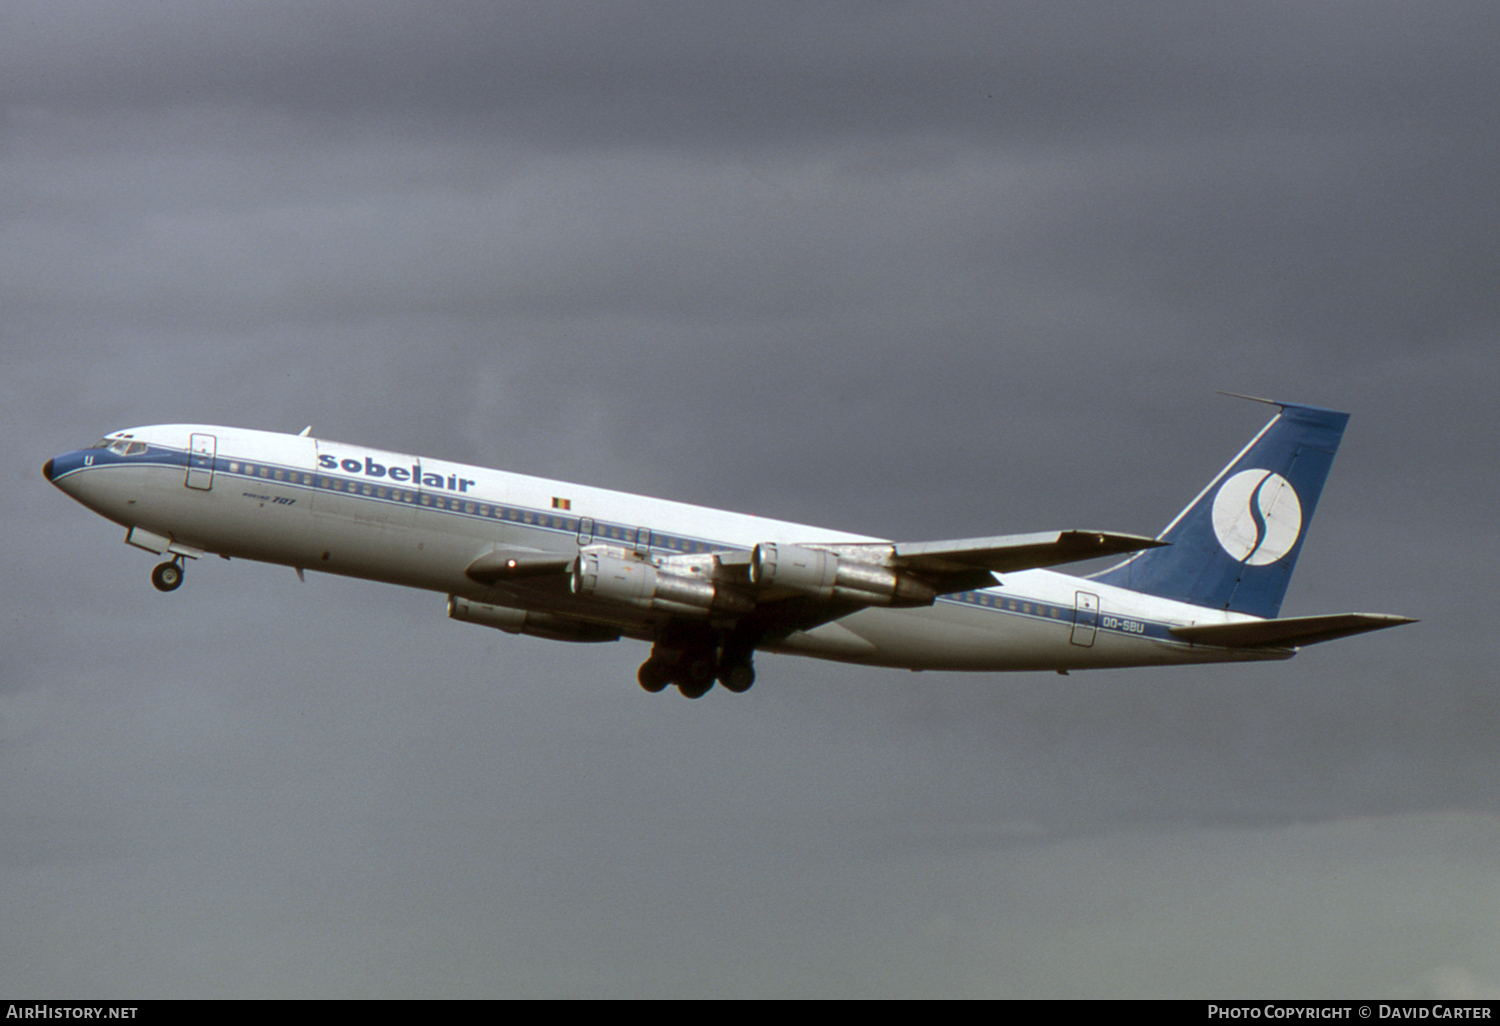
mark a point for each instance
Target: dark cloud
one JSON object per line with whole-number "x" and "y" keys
{"x": 907, "y": 269}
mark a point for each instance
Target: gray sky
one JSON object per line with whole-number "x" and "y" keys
{"x": 913, "y": 270}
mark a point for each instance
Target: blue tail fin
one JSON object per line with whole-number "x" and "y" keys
{"x": 1236, "y": 544}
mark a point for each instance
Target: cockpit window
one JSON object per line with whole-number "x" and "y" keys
{"x": 124, "y": 447}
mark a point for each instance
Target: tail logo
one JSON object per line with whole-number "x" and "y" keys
{"x": 1257, "y": 517}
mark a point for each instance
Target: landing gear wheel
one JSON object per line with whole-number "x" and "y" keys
{"x": 691, "y": 690}
{"x": 737, "y": 677}
{"x": 653, "y": 676}
{"x": 696, "y": 675}
{"x": 167, "y": 576}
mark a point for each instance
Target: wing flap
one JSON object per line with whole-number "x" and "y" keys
{"x": 1288, "y": 632}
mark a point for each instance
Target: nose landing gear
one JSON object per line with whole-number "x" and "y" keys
{"x": 168, "y": 576}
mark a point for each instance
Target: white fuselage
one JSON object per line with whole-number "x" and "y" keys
{"x": 418, "y": 522}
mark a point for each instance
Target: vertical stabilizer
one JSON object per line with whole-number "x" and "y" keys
{"x": 1236, "y": 544}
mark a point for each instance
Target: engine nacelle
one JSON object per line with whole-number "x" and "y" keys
{"x": 635, "y": 582}
{"x": 824, "y": 575}
{"x": 521, "y": 621}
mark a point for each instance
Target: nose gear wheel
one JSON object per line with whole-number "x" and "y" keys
{"x": 167, "y": 576}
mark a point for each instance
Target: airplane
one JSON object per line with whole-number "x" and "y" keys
{"x": 709, "y": 588}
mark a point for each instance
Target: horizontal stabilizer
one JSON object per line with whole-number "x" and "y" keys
{"x": 1289, "y": 632}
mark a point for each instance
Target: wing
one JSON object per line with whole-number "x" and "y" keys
{"x": 957, "y": 563}
{"x": 776, "y": 588}
{"x": 514, "y": 563}
{"x": 916, "y": 572}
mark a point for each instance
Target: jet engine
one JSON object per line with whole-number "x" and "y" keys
{"x": 638, "y": 583}
{"x": 824, "y": 575}
{"x": 521, "y": 621}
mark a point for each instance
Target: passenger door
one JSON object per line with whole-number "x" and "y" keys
{"x": 200, "y": 469}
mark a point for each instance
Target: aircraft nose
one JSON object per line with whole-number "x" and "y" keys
{"x": 47, "y": 470}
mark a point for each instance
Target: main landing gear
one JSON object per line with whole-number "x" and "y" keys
{"x": 694, "y": 670}
{"x": 168, "y": 576}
